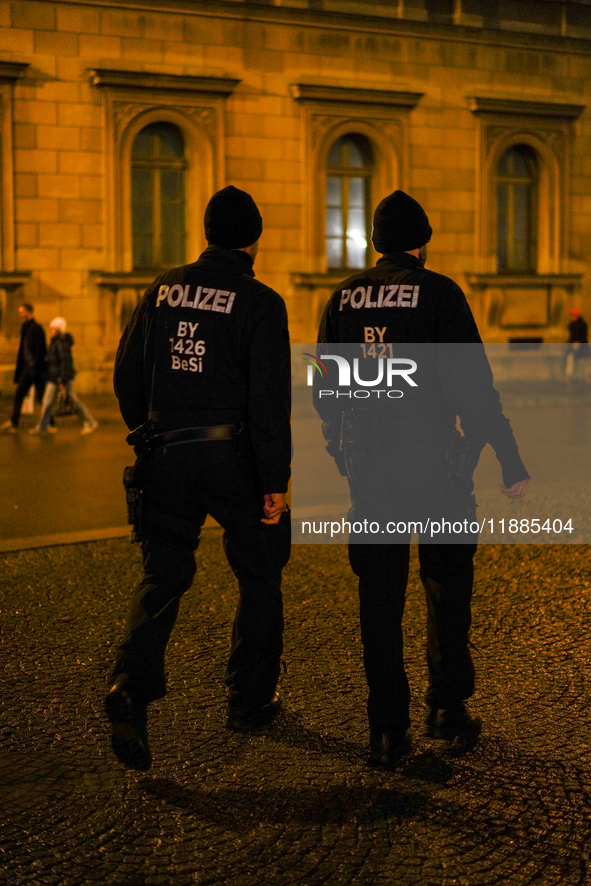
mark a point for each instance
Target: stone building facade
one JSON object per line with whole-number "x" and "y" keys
{"x": 118, "y": 121}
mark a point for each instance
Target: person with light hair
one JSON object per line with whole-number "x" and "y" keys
{"x": 60, "y": 377}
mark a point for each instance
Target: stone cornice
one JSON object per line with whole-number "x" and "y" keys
{"x": 523, "y": 108}
{"x": 328, "y": 280}
{"x": 109, "y": 79}
{"x": 125, "y": 279}
{"x": 12, "y": 70}
{"x": 11, "y": 280}
{"x": 523, "y": 281}
{"x": 312, "y": 92}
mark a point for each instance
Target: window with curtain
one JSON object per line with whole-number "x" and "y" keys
{"x": 516, "y": 195}
{"x": 158, "y": 197}
{"x": 348, "y": 184}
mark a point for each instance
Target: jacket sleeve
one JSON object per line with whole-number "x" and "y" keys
{"x": 269, "y": 396}
{"x": 128, "y": 378}
{"x": 468, "y": 385}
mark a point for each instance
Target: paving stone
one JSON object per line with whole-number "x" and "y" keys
{"x": 294, "y": 803}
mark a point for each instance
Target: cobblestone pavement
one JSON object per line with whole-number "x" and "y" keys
{"x": 294, "y": 803}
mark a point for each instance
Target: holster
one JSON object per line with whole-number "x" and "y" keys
{"x": 462, "y": 457}
{"x": 133, "y": 494}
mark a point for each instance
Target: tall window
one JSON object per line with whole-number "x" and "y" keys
{"x": 348, "y": 180}
{"x": 158, "y": 197}
{"x": 517, "y": 178}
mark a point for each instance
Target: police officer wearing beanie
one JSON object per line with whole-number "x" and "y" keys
{"x": 402, "y": 462}
{"x": 202, "y": 375}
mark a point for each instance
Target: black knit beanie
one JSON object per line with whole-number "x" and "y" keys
{"x": 232, "y": 219}
{"x": 400, "y": 224}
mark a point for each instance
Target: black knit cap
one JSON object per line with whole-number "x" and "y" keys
{"x": 232, "y": 219}
{"x": 400, "y": 224}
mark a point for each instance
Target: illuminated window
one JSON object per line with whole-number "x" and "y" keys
{"x": 517, "y": 179}
{"x": 158, "y": 197}
{"x": 348, "y": 181}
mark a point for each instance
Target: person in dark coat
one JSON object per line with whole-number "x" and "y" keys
{"x": 30, "y": 365}
{"x": 577, "y": 346}
{"x": 401, "y": 458}
{"x": 202, "y": 375}
{"x": 60, "y": 376}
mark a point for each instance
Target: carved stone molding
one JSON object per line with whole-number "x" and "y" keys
{"x": 123, "y": 112}
{"x": 12, "y": 71}
{"x": 306, "y": 92}
{"x": 106, "y": 78}
{"x": 133, "y": 100}
{"x": 554, "y": 138}
{"x": 522, "y": 108}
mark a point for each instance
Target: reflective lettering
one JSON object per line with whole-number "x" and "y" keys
{"x": 219, "y": 302}
{"x": 205, "y": 303}
{"x": 388, "y": 301}
{"x": 368, "y": 302}
{"x": 345, "y": 296}
{"x": 186, "y": 303}
{"x": 358, "y": 297}
{"x": 230, "y": 302}
{"x": 162, "y": 293}
{"x": 404, "y": 294}
{"x": 175, "y": 295}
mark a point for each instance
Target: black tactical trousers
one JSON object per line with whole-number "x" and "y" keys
{"x": 401, "y": 483}
{"x": 182, "y": 484}
{"x": 447, "y": 574}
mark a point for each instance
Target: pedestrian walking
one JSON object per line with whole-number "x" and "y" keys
{"x": 202, "y": 374}
{"x": 60, "y": 379}
{"x": 30, "y": 365}
{"x": 404, "y": 461}
{"x": 578, "y": 353}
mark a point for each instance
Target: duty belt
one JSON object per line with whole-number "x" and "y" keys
{"x": 194, "y": 435}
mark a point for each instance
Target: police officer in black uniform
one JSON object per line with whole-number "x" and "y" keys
{"x": 203, "y": 376}
{"x": 403, "y": 462}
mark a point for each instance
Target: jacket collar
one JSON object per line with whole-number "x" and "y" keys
{"x": 400, "y": 260}
{"x": 242, "y": 261}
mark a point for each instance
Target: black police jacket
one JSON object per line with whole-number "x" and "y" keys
{"x": 208, "y": 344}
{"x": 400, "y": 302}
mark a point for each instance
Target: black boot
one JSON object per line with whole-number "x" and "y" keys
{"x": 129, "y": 737}
{"x": 387, "y": 748}
{"x": 455, "y": 724}
{"x": 245, "y": 719}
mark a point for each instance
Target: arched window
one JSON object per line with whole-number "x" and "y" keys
{"x": 517, "y": 181}
{"x": 158, "y": 197}
{"x": 348, "y": 182}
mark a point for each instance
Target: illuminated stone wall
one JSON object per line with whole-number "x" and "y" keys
{"x": 260, "y": 91}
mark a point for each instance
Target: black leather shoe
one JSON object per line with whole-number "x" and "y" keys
{"x": 388, "y": 748}
{"x": 455, "y": 723}
{"x": 129, "y": 737}
{"x": 246, "y": 719}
